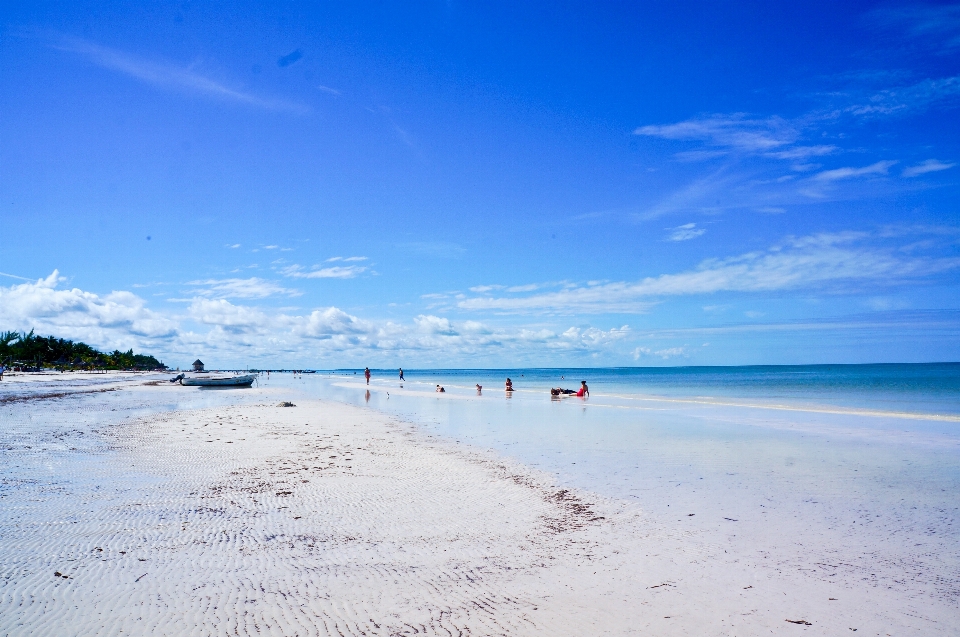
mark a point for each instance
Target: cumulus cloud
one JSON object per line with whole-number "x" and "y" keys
{"x": 812, "y": 262}
{"x": 231, "y": 332}
{"x": 928, "y": 166}
{"x": 118, "y": 319}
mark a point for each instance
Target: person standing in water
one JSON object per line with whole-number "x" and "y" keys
{"x": 366, "y": 374}
{"x": 401, "y": 373}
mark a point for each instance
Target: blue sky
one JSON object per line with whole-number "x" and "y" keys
{"x": 448, "y": 184}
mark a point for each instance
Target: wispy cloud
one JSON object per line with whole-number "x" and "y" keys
{"x": 847, "y": 172}
{"x": 685, "y": 232}
{"x": 170, "y": 76}
{"x": 735, "y": 131}
{"x": 480, "y": 289}
{"x": 697, "y": 196}
{"x": 252, "y": 288}
{"x": 14, "y": 276}
{"x": 928, "y": 166}
{"x": 327, "y": 89}
{"x": 912, "y": 97}
{"x": 812, "y": 262}
{"x": 346, "y": 259}
{"x": 333, "y": 272}
{"x": 804, "y": 152}
{"x": 935, "y": 25}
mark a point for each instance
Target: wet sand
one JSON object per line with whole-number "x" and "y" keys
{"x": 171, "y": 511}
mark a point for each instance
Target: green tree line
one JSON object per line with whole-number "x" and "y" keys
{"x": 30, "y": 349}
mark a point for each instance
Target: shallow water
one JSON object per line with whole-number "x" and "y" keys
{"x": 851, "y": 464}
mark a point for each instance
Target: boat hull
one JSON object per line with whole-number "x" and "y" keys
{"x": 232, "y": 381}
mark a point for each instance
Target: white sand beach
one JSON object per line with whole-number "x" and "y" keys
{"x": 222, "y": 513}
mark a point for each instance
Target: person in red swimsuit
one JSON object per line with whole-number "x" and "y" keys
{"x": 366, "y": 374}
{"x": 584, "y": 391}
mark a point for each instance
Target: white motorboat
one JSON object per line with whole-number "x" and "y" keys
{"x": 219, "y": 381}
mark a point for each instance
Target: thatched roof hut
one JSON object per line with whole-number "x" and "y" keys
{"x": 198, "y": 365}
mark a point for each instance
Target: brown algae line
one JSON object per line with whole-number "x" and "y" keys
{"x": 50, "y": 396}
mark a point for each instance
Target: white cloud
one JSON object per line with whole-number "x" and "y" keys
{"x": 14, "y": 276}
{"x": 229, "y": 333}
{"x": 252, "y": 288}
{"x": 480, "y": 289}
{"x": 115, "y": 320}
{"x": 170, "y": 76}
{"x": 804, "y": 152}
{"x": 878, "y": 168}
{"x": 928, "y": 166}
{"x": 811, "y": 262}
{"x": 735, "y": 131}
{"x": 906, "y": 98}
{"x": 348, "y": 259}
{"x": 685, "y": 232}
{"x": 697, "y": 196}
{"x": 334, "y": 272}
{"x": 222, "y": 313}
{"x": 665, "y": 354}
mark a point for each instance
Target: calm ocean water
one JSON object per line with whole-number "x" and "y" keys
{"x": 921, "y": 388}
